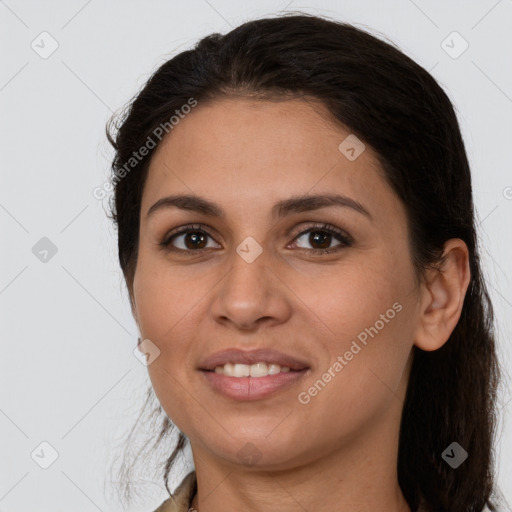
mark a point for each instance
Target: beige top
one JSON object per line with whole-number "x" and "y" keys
{"x": 181, "y": 500}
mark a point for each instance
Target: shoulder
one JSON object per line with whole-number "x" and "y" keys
{"x": 180, "y": 500}
{"x": 423, "y": 508}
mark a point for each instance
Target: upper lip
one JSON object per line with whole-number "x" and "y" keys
{"x": 263, "y": 355}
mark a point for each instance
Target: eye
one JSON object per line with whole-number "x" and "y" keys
{"x": 191, "y": 238}
{"x": 194, "y": 238}
{"x": 321, "y": 235}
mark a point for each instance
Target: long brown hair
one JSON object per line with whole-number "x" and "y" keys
{"x": 394, "y": 105}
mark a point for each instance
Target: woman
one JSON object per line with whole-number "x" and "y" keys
{"x": 296, "y": 230}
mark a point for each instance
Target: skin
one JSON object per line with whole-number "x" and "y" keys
{"x": 339, "y": 451}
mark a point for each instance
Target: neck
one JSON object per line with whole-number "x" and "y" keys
{"x": 359, "y": 476}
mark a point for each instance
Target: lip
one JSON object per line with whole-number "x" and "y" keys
{"x": 249, "y": 357}
{"x": 252, "y": 388}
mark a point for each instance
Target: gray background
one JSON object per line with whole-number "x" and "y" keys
{"x": 68, "y": 374}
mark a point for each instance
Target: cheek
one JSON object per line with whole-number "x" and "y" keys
{"x": 360, "y": 295}
{"x": 164, "y": 308}
{"x": 364, "y": 379}
{"x": 369, "y": 311}
{"x": 160, "y": 301}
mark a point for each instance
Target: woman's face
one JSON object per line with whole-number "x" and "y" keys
{"x": 257, "y": 276}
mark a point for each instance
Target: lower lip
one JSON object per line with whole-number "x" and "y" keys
{"x": 252, "y": 388}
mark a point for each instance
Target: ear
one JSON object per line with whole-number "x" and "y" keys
{"x": 442, "y": 296}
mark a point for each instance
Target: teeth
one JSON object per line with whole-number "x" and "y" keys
{"x": 253, "y": 370}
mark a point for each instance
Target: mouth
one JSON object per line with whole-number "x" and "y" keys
{"x": 257, "y": 360}
{"x": 258, "y": 370}
{"x": 253, "y": 375}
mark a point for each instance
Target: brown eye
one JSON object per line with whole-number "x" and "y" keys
{"x": 190, "y": 238}
{"x": 195, "y": 240}
{"x": 321, "y": 237}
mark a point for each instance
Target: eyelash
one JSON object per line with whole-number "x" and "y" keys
{"x": 345, "y": 239}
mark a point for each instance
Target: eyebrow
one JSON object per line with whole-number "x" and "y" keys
{"x": 294, "y": 204}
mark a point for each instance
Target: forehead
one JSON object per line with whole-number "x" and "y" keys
{"x": 238, "y": 128}
{"x": 243, "y": 150}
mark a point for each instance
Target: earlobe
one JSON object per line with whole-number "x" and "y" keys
{"x": 442, "y": 296}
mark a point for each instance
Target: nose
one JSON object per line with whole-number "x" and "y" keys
{"x": 251, "y": 294}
